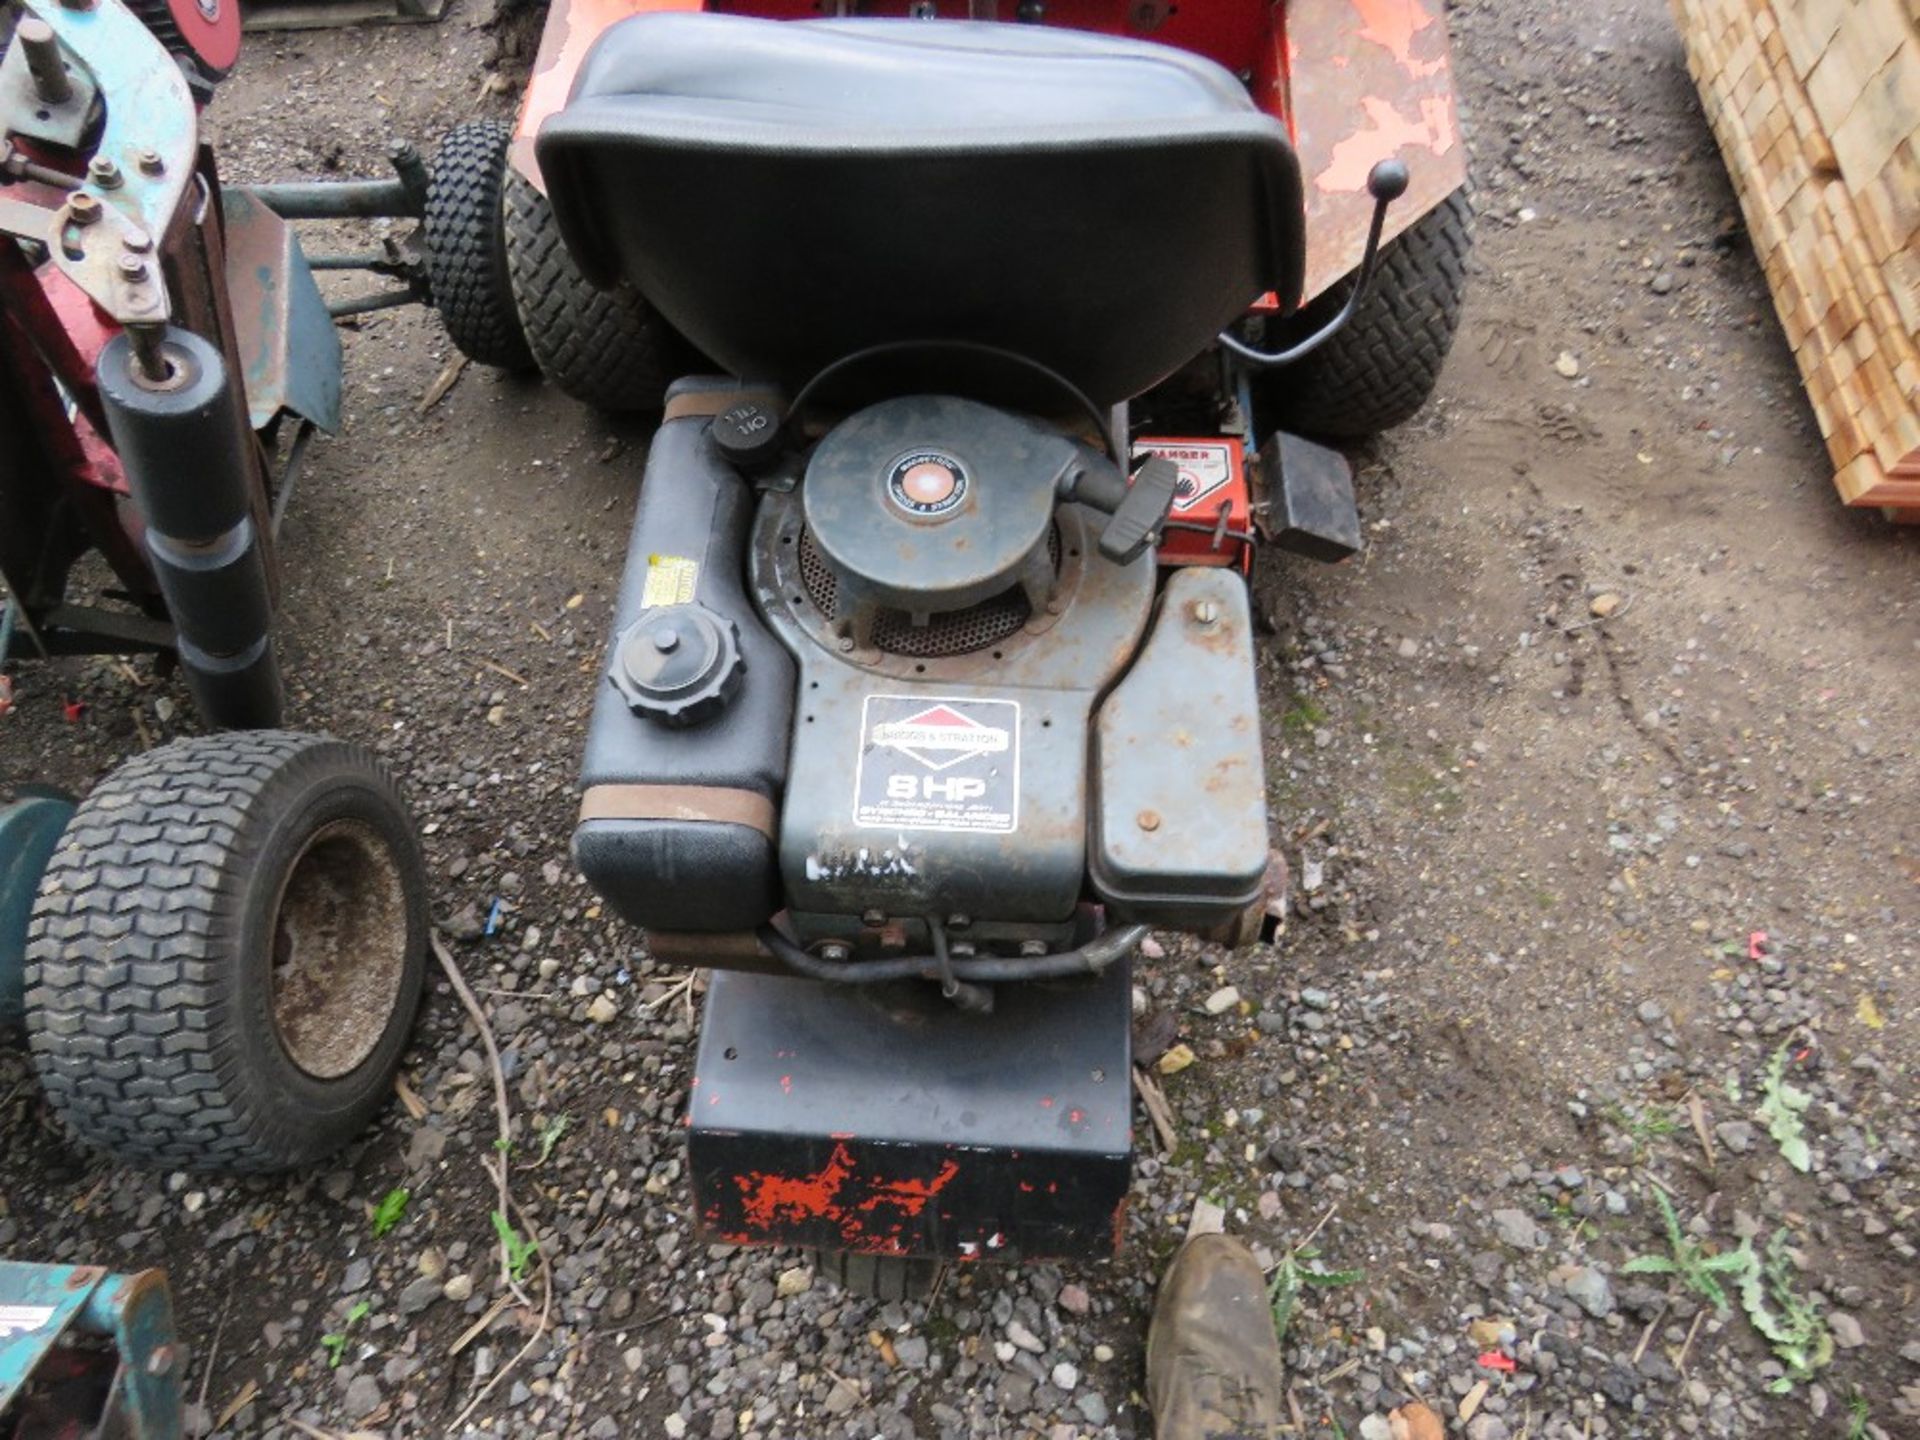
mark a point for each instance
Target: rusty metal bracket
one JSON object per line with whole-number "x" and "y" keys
{"x": 33, "y": 75}
{"x": 105, "y": 236}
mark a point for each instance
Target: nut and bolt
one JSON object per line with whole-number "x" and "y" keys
{"x": 836, "y": 952}
{"x": 132, "y": 267}
{"x": 84, "y": 209}
{"x": 1205, "y": 612}
{"x": 1148, "y": 820}
{"x": 1032, "y": 949}
{"x": 873, "y": 919}
{"x": 958, "y": 922}
{"x": 137, "y": 240}
{"x": 150, "y": 163}
{"x": 49, "y": 71}
{"x": 103, "y": 172}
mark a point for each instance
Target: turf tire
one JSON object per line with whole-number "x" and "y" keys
{"x": 1383, "y": 367}
{"x": 608, "y": 349}
{"x": 161, "y": 953}
{"x": 466, "y": 246}
{"x": 879, "y": 1277}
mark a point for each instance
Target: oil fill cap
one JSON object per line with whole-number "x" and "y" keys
{"x": 749, "y": 435}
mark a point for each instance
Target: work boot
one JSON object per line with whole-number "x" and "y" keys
{"x": 1213, "y": 1359}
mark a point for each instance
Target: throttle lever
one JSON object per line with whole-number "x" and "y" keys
{"x": 1137, "y": 510}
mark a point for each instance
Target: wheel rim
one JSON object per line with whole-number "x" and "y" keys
{"x": 339, "y": 949}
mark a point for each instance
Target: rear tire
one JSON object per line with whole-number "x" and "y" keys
{"x": 227, "y": 951}
{"x": 467, "y": 246}
{"x": 608, "y": 349}
{"x": 880, "y": 1277}
{"x": 1383, "y": 367}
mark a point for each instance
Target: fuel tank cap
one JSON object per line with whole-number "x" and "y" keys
{"x": 932, "y": 503}
{"x": 678, "y": 664}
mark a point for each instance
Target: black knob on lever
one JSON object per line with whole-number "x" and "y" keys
{"x": 1138, "y": 510}
{"x": 1386, "y": 183}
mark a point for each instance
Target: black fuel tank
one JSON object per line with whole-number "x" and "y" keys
{"x": 678, "y": 815}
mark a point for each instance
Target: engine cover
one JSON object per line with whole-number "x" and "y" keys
{"x": 924, "y": 783}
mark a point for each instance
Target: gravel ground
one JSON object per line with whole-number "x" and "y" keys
{"x": 1594, "y": 772}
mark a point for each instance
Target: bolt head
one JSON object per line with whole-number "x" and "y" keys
{"x": 150, "y": 163}
{"x": 1205, "y": 612}
{"x": 103, "y": 171}
{"x": 833, "y": 950}
{"x": 84, "y": 209}
{"x": 137, "y": 240}
{"x": 1148, "y": 820}
{"x": 132, "y": 267}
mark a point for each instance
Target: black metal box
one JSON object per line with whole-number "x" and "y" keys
{"x": 885, "y": 1120}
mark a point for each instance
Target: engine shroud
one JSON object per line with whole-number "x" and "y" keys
{"x": 936, "y": 783}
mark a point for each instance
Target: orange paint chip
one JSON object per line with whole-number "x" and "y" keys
{"x": 1390, "y": 131}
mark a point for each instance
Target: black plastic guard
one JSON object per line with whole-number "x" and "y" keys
{"x": 1310, "y": 489}
{"x": 884, "y": 1120}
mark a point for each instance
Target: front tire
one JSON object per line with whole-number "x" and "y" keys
{"x": 467, "y": 246}
{"x": 880, "y": 1277}
{"x": 608, "y": 349}
{"x": 227, "y": 952}
{"x": 1381, "y": 369}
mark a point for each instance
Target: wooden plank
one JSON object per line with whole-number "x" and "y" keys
{"x": 1885, "y": 112}
{"x": 1854, "y": 56}
{"x": 1816, "y": 107}
{"x": 1807, "y": 26}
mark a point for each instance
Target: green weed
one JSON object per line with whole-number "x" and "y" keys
{"x": 1689, "y": 1260}
{"x": 519, "y": 1250}
{"x": 390, "y": 1211}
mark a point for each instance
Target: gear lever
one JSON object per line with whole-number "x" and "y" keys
{"x": 1137, "y": 510}
{"x": 1386, "y": 182}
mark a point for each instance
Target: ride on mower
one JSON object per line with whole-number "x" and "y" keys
{"x": 932, "y": 681}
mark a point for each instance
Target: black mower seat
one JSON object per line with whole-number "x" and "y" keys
{"x": 787, "y": 193}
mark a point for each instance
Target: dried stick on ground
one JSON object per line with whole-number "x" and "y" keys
{"x": 510, "y": 1209}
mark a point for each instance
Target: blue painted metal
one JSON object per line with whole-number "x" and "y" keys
{"x": 29, "y": 829}
{"x": 42, "y": 1305}
{"x": 150, "y": 134}
{"x": 289, "y": 353}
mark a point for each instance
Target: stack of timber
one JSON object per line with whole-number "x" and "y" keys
{"x": 1816, "y": 105}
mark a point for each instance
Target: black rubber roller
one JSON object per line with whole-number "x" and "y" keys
{"x": 183, "y": 441}
{"x": 188, "y": 456}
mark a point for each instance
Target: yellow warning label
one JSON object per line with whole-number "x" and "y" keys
{"x": 670, "y": 581}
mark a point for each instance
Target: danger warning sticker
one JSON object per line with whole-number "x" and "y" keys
{"x": 1205, "y": 466}
{"x": 938, "y": 765}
